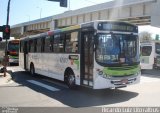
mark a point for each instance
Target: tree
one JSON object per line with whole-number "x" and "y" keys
{"x": 145, "y": 36}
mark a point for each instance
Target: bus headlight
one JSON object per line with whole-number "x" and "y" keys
{"x": 100, "y": 72}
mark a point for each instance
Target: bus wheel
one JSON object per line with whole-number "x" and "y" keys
{"x": 32, "y": 70}
{"x": 71, "y": 81}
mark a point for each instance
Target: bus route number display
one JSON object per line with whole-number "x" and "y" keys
{"x": 117, "y": 27}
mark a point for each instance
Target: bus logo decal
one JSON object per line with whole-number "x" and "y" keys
{"x": 73, "y": 57}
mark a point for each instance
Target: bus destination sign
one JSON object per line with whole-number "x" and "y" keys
{"x": 111, "y": 26}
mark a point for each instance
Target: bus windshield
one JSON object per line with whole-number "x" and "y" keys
{"x": 146, "y": 50}
{"x": 117, "y": 49}
{"x": 13, "y": 47}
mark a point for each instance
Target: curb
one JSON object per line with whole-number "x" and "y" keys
{"x": 7, "y": 79}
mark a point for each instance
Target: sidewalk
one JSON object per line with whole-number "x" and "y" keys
{"x": 5, "y": 80}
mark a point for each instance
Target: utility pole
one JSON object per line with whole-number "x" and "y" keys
{"x": 6, "y": 29}
{"x": 40, "y": 13}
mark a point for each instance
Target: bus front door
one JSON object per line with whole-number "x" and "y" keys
{"x": 87, "y": 56}
{"x": 25, "y": 55}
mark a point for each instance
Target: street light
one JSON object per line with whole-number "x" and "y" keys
{"x": 40, "y": 13}
{"x": 28, "y": 17}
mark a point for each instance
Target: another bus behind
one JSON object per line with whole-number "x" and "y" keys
{"x": 150, "y": 55}
{"x": 12, "y": 51}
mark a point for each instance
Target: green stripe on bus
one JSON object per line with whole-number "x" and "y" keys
{"x": 121, "y": 71}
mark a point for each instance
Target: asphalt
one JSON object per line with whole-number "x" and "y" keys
{"x": 7, "y": 79}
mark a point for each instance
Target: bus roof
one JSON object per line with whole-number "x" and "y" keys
{"x": 74, "y": 27}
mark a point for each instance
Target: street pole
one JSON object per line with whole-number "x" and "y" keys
{"x": 40, "y": 12}
{"x": 6, "y": 56}
{"x": 69, "y": 5}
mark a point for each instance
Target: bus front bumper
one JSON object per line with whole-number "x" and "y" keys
{"x": 13, "y": 61}
{"x": 116, "y": 82}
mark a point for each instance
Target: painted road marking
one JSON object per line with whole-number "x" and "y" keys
{"x": 57, "y": 83}
{"x": 43, "y": 85}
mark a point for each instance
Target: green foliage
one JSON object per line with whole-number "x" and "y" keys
{"x": 145, "y": 37}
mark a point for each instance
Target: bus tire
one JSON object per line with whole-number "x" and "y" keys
{"x": 71, "y": 80}
{"x": 32, "y": 69}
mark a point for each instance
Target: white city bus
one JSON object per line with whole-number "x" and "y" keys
{"x": 150, "y": 55}
{"x": 98, "y": 54}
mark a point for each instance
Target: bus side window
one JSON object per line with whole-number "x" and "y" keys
{"x": 61, "y": 43}
{"x": 35, "y": 45}
{"x": 48, "y": 44}
{"x": 67, "y": 43}
{"x": 52, "y": 42}
{"x": 55, "y": 44}
{"x": 71, "y": 42}
{"x": 31, "y": 46}
{"x": 43, "y": 44}
{"x": 39, "y": 45}
{"x": 21, "y": 46}
{"x": 58, "y": 45}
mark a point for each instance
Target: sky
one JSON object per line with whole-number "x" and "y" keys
{"x": 27, "y": 10}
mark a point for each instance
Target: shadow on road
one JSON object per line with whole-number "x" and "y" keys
{"x": 87, "y": 98}
{"x": 151, "y": 73}
{"x": 82, "y": 97}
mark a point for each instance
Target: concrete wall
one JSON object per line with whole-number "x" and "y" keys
{"x": 116, "y": 13}
{"x": 155, "y": 14}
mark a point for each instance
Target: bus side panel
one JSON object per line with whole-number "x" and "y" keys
{"x": 54, "y": 65}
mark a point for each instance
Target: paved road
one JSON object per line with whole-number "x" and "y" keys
{"x": 29, "y": 91}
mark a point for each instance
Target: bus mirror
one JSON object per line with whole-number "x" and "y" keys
{"x": 0, "y": 39}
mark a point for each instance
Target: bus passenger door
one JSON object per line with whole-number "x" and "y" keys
{"x": 25, "y": 55}
{"x": 87, "y": 50}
